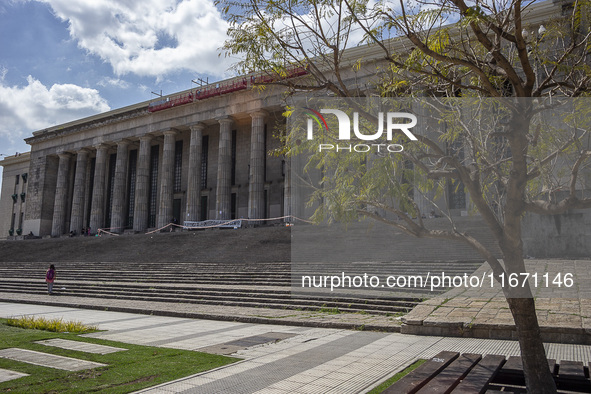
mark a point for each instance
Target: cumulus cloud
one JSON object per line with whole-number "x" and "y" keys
{"x": 35, "y": 106}
{"x": 150, "y": 37}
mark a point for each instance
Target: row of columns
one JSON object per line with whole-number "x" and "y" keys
{"x": 141, "y": 203}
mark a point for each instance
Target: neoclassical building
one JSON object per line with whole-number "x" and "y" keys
{"x": 195, "y": 155}
{"x": 191, "y": 156}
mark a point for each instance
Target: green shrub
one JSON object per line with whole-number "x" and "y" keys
{"x": 55, "y": 325}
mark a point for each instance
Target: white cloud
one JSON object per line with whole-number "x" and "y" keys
{"x": 150, "y": 37}
{"x": 32, "y": 107}
{"x": 106, "y": 81}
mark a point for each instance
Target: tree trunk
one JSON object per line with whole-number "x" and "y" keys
{"x": 538, "y": 377}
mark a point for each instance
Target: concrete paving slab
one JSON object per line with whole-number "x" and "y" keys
{"x": 355, "y": 360}
{"x": 221, "y": 349}
{"x": 48, "y": 360}
{"x": 7, "y": 374}
{"x": 80, "y": 346}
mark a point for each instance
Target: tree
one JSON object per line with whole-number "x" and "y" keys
{"x": 444, "y": 49}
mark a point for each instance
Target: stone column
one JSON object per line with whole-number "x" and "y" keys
{"x": 256, "y": 185}
{"x": 61, "y": 192}
{"x": 118, "y": 205}
{"x": 224, "y": 176}
{"x": 194, "y": 186}
{"x": 167, "y": 181}
{"x": 142, "y": 185}
{"x": 97, "y": 210}
{"x": 77, "y": 219}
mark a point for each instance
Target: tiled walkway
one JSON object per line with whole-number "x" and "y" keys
{"x": 313, "y": 360}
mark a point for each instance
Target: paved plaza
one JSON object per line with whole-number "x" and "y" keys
{"x": 294, "y": 360}
{"x": 564, "y": 312}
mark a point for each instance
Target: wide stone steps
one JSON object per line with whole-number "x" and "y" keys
{"x": 242, "y": 268}
{"x": 242, "y": 289}
{"x": 200, "y": 293}
{"x": 295, "y": 304}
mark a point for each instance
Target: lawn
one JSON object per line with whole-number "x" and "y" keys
{"x": 138, "y": 367}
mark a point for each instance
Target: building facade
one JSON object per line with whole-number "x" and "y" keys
{"x": 196, "y": 155}
{"x": 150, "y": 164}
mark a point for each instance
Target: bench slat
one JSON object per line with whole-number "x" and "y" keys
{"x": 571, "y": 370}
{"x": 450, "y": 376}
{"x": 416, "y": 379}
{"x": 481, "y": 375}
{"x": 515, "y": 366}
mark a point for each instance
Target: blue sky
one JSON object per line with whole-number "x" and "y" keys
{"x": 62, "y": 60}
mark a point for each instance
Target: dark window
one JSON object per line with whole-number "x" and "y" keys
{"x": 456, "y": 193}
{"x": 233, "y": 171}
{"x": 13, "y": 220}
{"x": 204, "y": 158}
{"x": 16, "y": 184}
{"x": 233, "y": 206}
{"x": 178, "y": 165}
{"x": 204, "y": 208}
{"x": 265, "y": 203}
{"x": 110, "y": 189}
{"x": 20, "y": 220}
{"x": 131, "y": 187}
{"x": 176, "y": 210}
{"x": 153, "y": 186}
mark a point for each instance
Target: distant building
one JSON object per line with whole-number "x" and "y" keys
{"x": 13, "y": 200}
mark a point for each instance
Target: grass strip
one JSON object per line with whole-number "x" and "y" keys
{"x": 137, "y": 368}
{"x": 396, "y": 377}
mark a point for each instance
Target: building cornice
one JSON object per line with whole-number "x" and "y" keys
{"x": 16, "y": 159}
{"x": 533, "y": 15}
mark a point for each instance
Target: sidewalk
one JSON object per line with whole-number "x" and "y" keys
{"x": 352, "y": 321}
{"x": 308, "y": 360}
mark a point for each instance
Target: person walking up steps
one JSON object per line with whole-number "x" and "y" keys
{"x": 50, "y": 278}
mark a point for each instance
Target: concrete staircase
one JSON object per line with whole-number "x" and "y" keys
{"x": 241, "y": 268}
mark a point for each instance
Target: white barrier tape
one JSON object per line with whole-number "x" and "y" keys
{"x": 212, "y": 226}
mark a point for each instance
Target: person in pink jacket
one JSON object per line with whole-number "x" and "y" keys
{"x": 50, "y": 278}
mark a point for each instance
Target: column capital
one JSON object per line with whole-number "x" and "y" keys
{"x": 197, "y": 126}
{"x": 101, "y": 146}
{"x": 123, "y": 142}
{"x": 259, "y": 113}
{"x": 170, "y": 132}
{"x": 64, "y": 155}
{"x": 147, "y": 137}
{"x": 83, "y": 151}
{"x": 225, "y": 119}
